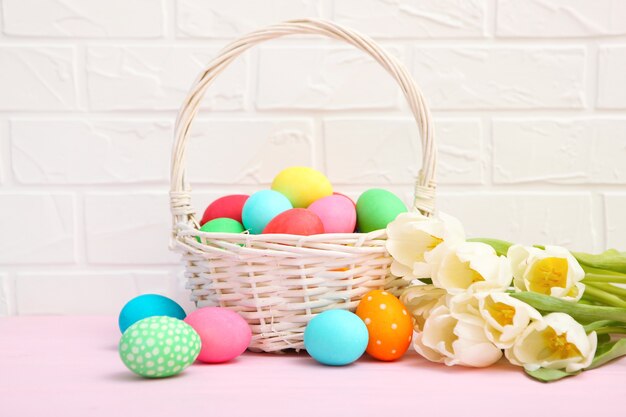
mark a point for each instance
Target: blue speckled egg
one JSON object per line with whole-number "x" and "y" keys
{"x": 336, "y": 337}
{"x": 261, "y": 207}
{"x": 149, "y": 305}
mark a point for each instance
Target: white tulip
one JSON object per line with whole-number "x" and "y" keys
{"x": 420, "y": 300}
{"x": 411, "y": 235}
{"x": 464, "y": 307}
{"x": 423, "y": 350}
{"x": 556, "y": 342}
{"x": 502, "y": 316}
{"x": 459, "y": 267}
{"x": 553, "y": 271}
{"x": 505, "y": 317}
{"x": 446, "y": 339}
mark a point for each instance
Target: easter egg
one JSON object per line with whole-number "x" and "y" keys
{"x": 261, "y": 208}
{"x": 389, "y": 325}
{"x": 335, "y": 337}
{"x": 377, "y": 208}
{"x": 296, "y": 221}
{"x": 337, "y": 213}
{"x": 229, "y": 206}
{"x": 222, "y": 225}
{"x": 148, "y": 305}
{"x": 224, "y": 333}
{"x": 343, "y": 195}
{"x": 302, "y": 185}
{"x": 159, "y": 346}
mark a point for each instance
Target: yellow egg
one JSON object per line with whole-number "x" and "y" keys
{"x": 389, "y": 325}
{"x": 302, "y": 185}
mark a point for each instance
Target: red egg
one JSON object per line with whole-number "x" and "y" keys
{"x": 296, "y": 221}
{"x": 229, "y": 206}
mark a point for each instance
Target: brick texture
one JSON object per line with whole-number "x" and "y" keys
{"x": 611, "y": 77}
{"x": 577, "y": 151}
{"x": 424, "y": 19}
{"x": 157, "y": 78}
{"x": 615, "y": 208}
{"x": 38, "y": 78}
{"x": 560, "y": 18}
{"x": 84, "y": 18}
{"x": 527, "y": 96}
{"x": 501, "y": 77}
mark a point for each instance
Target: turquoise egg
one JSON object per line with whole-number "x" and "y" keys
{"x": 261, "y": 207}
{"x": 149, "y": 305}
{"x": 336, "y": 337}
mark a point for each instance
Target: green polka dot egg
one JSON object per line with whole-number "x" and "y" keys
{"x": 158, "y": 347}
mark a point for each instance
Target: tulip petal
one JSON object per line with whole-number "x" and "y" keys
{"x": 426, "y": 352}
{"x": 556, "y": 341}
{"x": 477, "y": 355}
{"x": 401, "y": 270}
{"x": 439, "y": 331}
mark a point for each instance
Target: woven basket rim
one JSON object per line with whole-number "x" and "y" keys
{"x": 180, "y": 199}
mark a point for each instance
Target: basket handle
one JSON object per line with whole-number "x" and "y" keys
{"x": 180, "y": 200}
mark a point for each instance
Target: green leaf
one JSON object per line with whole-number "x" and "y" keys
{"x": 607, "y": 352}
{"x": 611, "y": 260}
{"x": 589, "y": 301}
{"x": 603, "y": 272}
{"x": 583, "y": 313}
{"x": 549, "y": 375}
{"x": 604, "y": 338}
{"x": 596, "y": 325}
{"x": 501, "y": 246}
{"x": 609, "y": 288}
{"x": 605, "y": 297}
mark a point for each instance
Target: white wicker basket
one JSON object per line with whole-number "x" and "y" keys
{"x": 279, "y": 282}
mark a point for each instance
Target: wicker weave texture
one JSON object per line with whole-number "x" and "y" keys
{"x": 279, "y": 282}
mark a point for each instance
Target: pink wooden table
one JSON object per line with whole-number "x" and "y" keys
{"x": 68, "y": 366}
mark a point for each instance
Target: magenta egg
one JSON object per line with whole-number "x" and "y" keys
{"x": 337, "y": 212}
{"x": 224, "y": 333}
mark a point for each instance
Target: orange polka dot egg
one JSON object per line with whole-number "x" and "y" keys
{"x": 388, "y": 323}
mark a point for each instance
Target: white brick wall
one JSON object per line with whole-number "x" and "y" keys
{"x": 528, "y": 98}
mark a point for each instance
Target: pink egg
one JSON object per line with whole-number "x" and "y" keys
{"x": 224, "y": 334}
{"x": 343, "y": 195}
{"x": 337, "y": 212}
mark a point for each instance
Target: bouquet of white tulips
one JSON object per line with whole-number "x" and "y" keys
{"x": 554, "y": 312}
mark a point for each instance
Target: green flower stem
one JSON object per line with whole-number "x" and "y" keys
{"x": 613, "y": 278}
{"x": 611, "y": 289}
{"x": 601, "y": 324}
{"x": 590, "y": 299}
{"x": 611, "y": 330}
{"x": 607, "y": 298}
{"x": 582, "y": 312}
{"x": 591, "y": 270}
